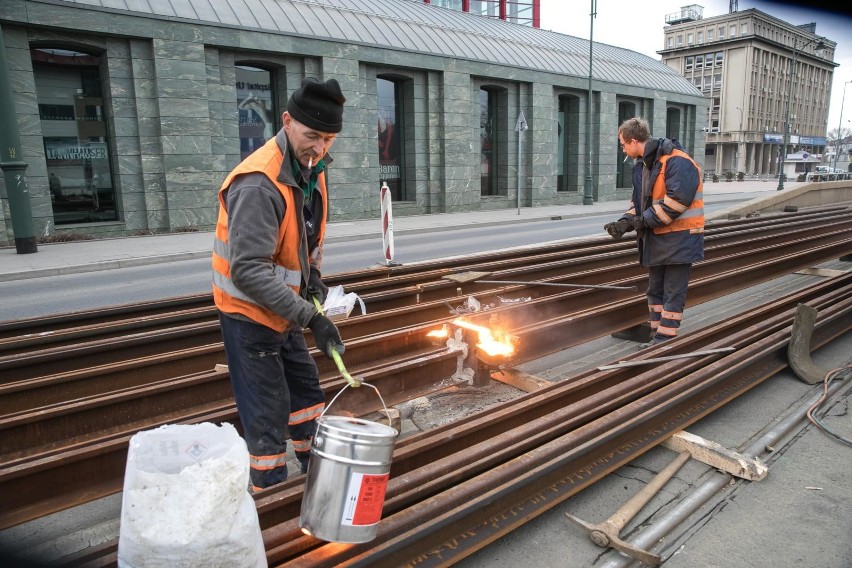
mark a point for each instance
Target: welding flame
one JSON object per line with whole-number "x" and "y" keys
{"x": 487, "y": 342}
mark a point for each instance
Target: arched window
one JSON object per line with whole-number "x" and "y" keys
{"x": 257, "y": 116}
{"x": 74, "y": 130}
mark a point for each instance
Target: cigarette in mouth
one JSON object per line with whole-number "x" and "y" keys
{"x": 310, "y": 162}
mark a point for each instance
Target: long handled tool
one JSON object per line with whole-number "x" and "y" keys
{"x": 338, "y": 360}
{"x": 479, "y": 278}
{"x": 605, "y": 534}
{"x": 558, "y": 284}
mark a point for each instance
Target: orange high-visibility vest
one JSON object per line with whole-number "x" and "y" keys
{"x": 691, "y": 217}
{"x": 227, "y": 297}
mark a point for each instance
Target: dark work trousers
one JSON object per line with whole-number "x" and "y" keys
{"x": 666, "y": 299}
{"x": 276, "y": 386}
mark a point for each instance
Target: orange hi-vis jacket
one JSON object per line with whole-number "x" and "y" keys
{"x": 291, "y": 259}
{"x": 690, "y": 218}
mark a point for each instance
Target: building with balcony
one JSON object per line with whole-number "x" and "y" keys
{"x": 749, "y": 65}
{"x": 524, "y": 12}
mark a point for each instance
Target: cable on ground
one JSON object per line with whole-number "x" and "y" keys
{"x": 839, "y": 373}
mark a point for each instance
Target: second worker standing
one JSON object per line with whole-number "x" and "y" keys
{"x": 667, "y": 213}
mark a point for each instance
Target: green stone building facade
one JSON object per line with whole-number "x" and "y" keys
{"x": 131, "y": 113}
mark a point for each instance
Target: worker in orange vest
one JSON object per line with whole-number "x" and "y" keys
{"x": 667, "y": 213}
{"x": 267, "y": 255}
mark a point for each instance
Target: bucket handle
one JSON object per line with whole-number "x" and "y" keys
{"x": 363, "y": 384}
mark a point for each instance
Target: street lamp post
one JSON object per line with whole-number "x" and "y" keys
{"x": 588, "y": 197}
{"x": 840, "y": 125}
{"x": 796, "y": 49}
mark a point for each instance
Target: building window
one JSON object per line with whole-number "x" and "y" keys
{"x": 708, "y": 60}
{"x": 74, "y": 130}
{"x": 670, "y": 42}
{"x": 490, "y": 8}
{"x": 722, "y": 32}
{"x": 568, "y": 168}
{"x": 680, "y": 41}
{"x": 689, "y": 39}
{"x": 709, "y": 35}
{"x": 699, "y": 62}
{"x": 733, "y": 31}
{"x": 520, "y": 12}
{"x": 719, "y": 58}
{"x": 700, "y": 37}
{"x": 707, "y": 82}
{"x": 488, "y": 142}
{"x": 390, "y": 136}
{"x": 452, "y": 4}
{"x": 743, "y": 29}
{"x": 717, "y": 81}
{"x": 688, "y": 63}
{"x": 254, "y": 108}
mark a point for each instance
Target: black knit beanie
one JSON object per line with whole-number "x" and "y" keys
{"x": 318, "y": 105}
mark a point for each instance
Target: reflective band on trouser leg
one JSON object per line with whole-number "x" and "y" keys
{"x": 670, "y": 323}
{"x": 303, "y": 426}
{"x": 656, "y": 311}
{"x": 267, "y": 470}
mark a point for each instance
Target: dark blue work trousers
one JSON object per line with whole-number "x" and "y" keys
{"x": 276, "y": 387}
{"x": 667, "y": 285}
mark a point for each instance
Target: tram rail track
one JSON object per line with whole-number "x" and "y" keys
{"x": 399, "y": 359}
{"x": 382, "y": 287}
{"x": 85, "y": 438}
{"x": 455, "y": 488}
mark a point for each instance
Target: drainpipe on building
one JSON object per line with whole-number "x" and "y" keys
{"x": 13, "y": 166}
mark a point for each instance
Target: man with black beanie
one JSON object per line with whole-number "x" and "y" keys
{"x": 267, "y": 255}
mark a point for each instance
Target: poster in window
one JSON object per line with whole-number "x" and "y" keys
{"x": 389, "y": 137}
{"x": 254, "y": 108}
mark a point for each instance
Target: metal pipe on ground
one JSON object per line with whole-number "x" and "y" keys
{"x": 664, "y": 526}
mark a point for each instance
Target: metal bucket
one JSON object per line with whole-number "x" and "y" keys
{"x": 347, "y": 477}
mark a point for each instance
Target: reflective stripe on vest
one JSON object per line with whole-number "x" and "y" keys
{"x": 691, "y": 218}
{"x": 286, "y": 267}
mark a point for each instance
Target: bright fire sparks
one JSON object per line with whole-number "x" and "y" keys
{"x": 487, "y": 342}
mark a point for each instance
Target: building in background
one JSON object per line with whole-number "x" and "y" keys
{"x": 743, "y": 63}
{"x": 525, "y": 12}
{"x": 130, "y": 115}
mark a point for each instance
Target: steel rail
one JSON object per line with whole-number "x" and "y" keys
{"x": 55, "y": 360}
{"x": 19, "y": 335}
{"x": 452, "y": 498}
{"x": 41, "y": 425}
{"x": 367, "y": 351}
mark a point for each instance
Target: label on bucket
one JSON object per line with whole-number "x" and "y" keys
{"x": 365, "y": 497}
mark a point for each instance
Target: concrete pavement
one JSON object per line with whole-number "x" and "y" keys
{"x": 73, "y": 257}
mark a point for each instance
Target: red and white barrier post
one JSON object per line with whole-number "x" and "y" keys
{"x": 387, "y": 223}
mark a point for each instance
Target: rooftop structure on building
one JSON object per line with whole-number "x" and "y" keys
{"x": 524, "y": 12}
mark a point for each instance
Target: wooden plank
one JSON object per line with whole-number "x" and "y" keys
{"x": 718, "y": 456}
{"x": 521, "y": 380}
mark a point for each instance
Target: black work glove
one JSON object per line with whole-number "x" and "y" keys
{"x": 639, "y": 223}
{"x": 616, "y": 230}
{"x": 326, "y": 336}
{"x": 316, "y": 287}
